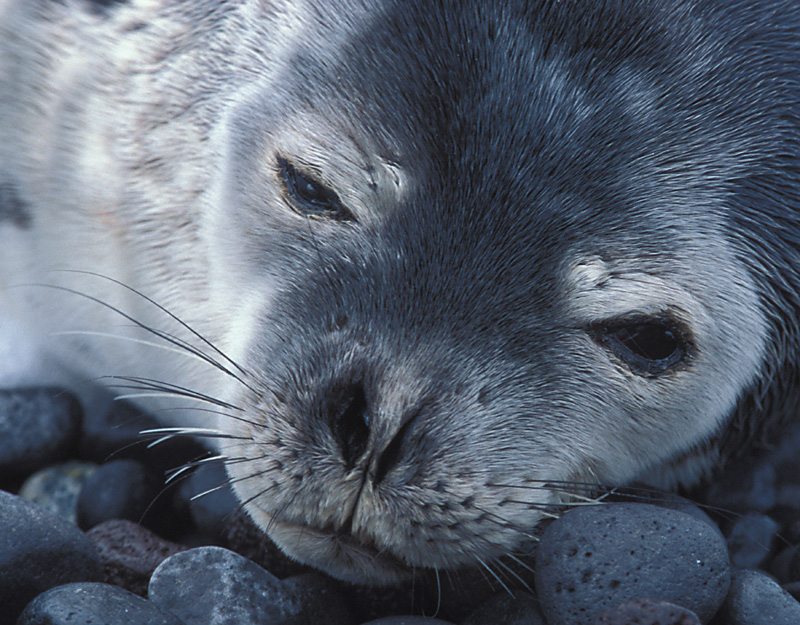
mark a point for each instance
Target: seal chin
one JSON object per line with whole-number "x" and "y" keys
{"x": 337, "y": 554}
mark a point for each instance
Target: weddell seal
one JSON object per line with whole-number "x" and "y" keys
{"x": 421, "y": 265}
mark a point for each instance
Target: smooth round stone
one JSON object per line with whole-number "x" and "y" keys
{"x": 38, "y": 550}
{"x": 38, "y": 427}
{"x": 503, "y": 609}
{"x": 130, "y": 553}
{"x": 215, "y": 586}
{"x": 756, "y": 599}
{"x": 57, "y": 488}
{"x": 120, "y": 489}
{"x": 597, "y": 557}
{"x": 93, "y": 604}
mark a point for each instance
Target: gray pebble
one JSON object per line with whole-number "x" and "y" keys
{"x": 209, "y": 499}
{"x": 120, "y": 489}
{"x": 750, "y": 540}
{"x": 503, "y": 609}
{"x": 38, "y": 550}
{"x": 647, "y": 612}
{"x": 215, "y": 586}
{"x": 37, "y": 427}
{"x": 596, "y": 557}
{"x": 756, "y": 599}
{"x": 408, "y": 620}
{"x": 93, "y": 604}
{"x": 57, "y": 488}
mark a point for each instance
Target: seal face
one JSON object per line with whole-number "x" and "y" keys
{"x": 427, "y": 267}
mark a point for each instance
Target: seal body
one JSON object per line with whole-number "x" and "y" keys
{"x": 421, "y": 266}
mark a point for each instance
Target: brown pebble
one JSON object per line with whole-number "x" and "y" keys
{"x": 130, "y": 553}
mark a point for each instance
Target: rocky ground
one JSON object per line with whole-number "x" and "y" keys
{"x": 90, "y": 534}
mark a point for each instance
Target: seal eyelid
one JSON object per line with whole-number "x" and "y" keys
{"x": 648, "y": 346}
{"x": 309, "y": 196}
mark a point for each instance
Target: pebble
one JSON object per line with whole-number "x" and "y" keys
{"x": 756, "y": 599}
{"x": 130, "y": 553}
{"x": 38, "y": 550}
{"x": 595, "y": 557}
{"x": 38, "y": 427}
{"x": 503, "y": 609}
{"x": 320, "y": 599}
{"x": 746, "y": 486}
{"x": 786, "y": 565}
{"x": 57, "y": 488}
{"x": 120, "y": 489}
{"x": 116, "y": 433}
{"x": 209, "y": 498}
{"x": 93, "y": 604}
{"x": 215, "y": 586}
{"x": 647, "y": 612}
{"x": 750, "y": 540}
{"x": 408, "y": 620}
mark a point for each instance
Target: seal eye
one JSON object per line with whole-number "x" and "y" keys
{"x": 309, "y": 196}
{"x": 649, "y": 346}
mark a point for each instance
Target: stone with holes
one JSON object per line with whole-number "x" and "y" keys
{"x": 596, "y": 557}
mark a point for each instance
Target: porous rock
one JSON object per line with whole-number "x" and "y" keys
{"x": 596, "y": 557}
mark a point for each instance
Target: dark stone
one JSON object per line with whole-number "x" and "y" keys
{"x": 750, "y": 540}
{"x": 93, "y": 604}
{"x": 320, "y": 599}
{"x": 209, "y": 498}
{"x": 756, "y": 599}
{"x": 116, "y": 433}
{"x": 647, "y": 612}
{"x": 120, "y": 489}
{"x": 12, "y": 207}
{"x": 38, "y": 427}
{"x": 596, "y": 557}
{"x": 745, "y": 486}
{"x": 130, "y": 553}
{"x": 503, "y": 609}
{"x": 241, "y": 535}
{"x": 786, "y": 565}
{"x": 408, "y": 620}
{"x": 199, "y": 584}
{"x": 38, "y": 550}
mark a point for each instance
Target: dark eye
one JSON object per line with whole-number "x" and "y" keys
{"x": 648, "y": 346}
{"x": 309, "y": 196}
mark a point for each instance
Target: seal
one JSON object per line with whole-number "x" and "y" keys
{"x": 423, "y": 268}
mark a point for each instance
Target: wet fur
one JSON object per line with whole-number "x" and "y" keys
{"x": 414, "y": 388}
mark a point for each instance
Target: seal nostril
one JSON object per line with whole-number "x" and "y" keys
{"x": 350, "y": 423}
{"x": 391, "y": 455}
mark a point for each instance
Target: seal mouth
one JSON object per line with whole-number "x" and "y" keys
{"x": 337, "y": 553}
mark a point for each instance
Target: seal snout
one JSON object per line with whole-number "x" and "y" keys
{"x": 349, "y": 421}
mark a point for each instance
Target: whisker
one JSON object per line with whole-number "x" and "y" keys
{"x": 512, "y": 572}
{"x": 496, "y": 577}
{"x": 165, "y": 311}
{"x": 169, "y": 389}
{"x": 159, "y": 333}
